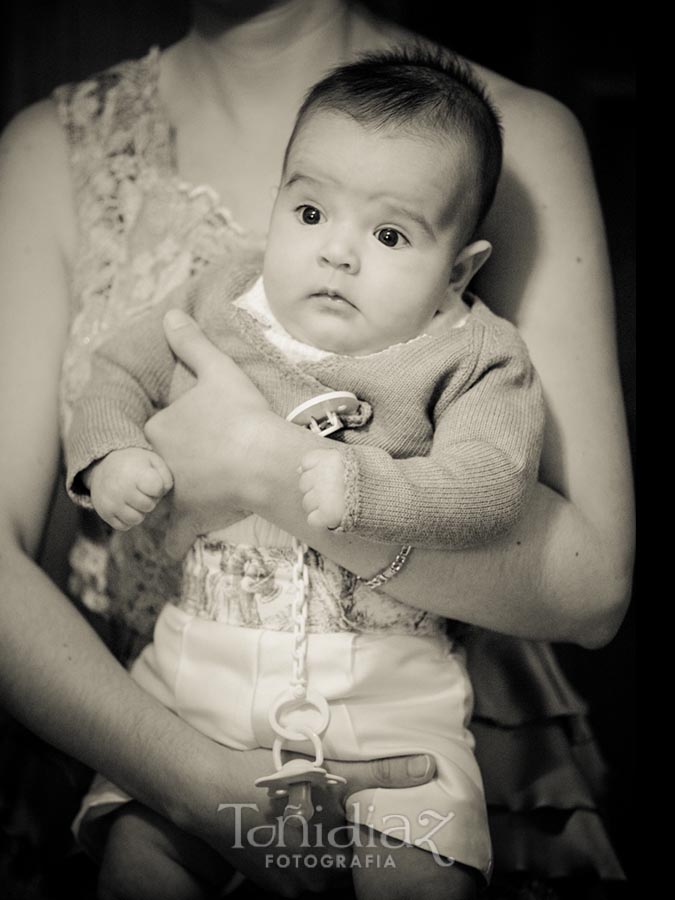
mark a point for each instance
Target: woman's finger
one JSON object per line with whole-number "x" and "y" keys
{"x": 190, "y": 344}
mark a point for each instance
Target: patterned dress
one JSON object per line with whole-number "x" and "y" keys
{"x": 143, "y": 232}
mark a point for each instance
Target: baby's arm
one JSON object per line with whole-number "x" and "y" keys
{"x": 472, "y": 485}
{"x": 110, "y": 464}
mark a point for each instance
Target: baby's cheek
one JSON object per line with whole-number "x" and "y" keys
{"x": 281, "y": 282}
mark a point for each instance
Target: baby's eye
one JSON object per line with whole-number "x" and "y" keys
{"x": 309, "y": 215}
{"x": 391, "y": 238}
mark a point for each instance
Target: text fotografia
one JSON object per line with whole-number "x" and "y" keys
{"x": 393, "y": 831}
{"x": 326, "y": 861}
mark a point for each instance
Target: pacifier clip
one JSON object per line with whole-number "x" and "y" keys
{"x": 295, "y": 779}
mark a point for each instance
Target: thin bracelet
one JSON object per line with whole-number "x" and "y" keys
{"x": 391, "y": 571}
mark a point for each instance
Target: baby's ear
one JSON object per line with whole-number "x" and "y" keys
{"x": 468, "y": 262}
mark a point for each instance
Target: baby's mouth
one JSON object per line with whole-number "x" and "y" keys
{"x": 336, "y": 296}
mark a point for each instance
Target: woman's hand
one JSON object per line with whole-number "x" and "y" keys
{"x": 243, "y": 825}
{"x": 227, "y": 450}
{"x": 219, "y": 439}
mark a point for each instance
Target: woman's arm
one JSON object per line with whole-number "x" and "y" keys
{"x": 564, "y": 572}
{"x": 56, "y": 676}
{"x": 550, "y": 275}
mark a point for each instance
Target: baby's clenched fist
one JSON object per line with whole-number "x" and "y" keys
{"x": 322, "y": 483}
{"x": 126, "y": 485}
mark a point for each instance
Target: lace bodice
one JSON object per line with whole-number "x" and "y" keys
{"x": 142, "y": 232}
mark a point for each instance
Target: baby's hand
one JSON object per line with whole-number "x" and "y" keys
{"x": 322, "y": 483}
{"x": 126, "y": 485}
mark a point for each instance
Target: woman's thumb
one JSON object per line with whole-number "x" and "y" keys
{"x": 188, "y": 341}
{"x": 392, "y": 772}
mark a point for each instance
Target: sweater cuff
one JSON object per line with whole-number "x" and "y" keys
{"x": 371, "y": 506}
{"x": 352, "y": 510}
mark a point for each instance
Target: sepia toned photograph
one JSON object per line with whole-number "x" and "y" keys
{"x": 317, "y": 376}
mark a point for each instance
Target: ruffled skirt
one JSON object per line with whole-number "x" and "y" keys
{"x": 544, "y": 777}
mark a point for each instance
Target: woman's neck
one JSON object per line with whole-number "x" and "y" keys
{"x": 247, "y": 63}
{"x": 275, "y": 28}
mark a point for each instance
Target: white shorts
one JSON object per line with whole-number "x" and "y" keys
{"x": 388, "y": 695}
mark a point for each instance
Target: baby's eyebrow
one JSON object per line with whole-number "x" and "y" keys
{"x": 398, "y": 209}
{"x": 299, "y": 177}
{"x": 417, "y": 217}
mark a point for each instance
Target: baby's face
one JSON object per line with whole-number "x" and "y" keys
{"x": 363, "y": 235}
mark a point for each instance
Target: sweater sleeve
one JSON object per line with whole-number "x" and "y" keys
{"x": 484, "y": 457}
{"x": 129, "y": 381}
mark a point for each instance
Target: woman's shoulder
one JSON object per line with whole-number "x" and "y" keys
{"x": 34, "y": 167}
{"x": 33, "y": 150}
{"x": 38, "y": 130}
{"x": 528, "y": 111}
{"x": 35, "y": 129}
{"x": 530, "y": 117}
{"x": 111, "y": 99}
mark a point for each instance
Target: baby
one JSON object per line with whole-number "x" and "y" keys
{"x": 392, "y": 165}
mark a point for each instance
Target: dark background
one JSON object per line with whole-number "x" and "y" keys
{"x": 582, "y": 57}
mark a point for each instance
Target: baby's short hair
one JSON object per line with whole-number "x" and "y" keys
{"x": 417, "y": 88}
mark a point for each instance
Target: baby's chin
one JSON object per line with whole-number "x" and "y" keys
{"x": 324, "y": 339}
{"x": 344, "y": 344}
{"x": 342, "y": 332}
{"x": 354, "y": 348}
{"x": 347, "y": 342}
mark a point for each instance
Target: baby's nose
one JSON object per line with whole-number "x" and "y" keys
{"x": 340, "y": 252}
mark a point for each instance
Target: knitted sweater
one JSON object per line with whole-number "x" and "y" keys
{"x": 445, "y": 459}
